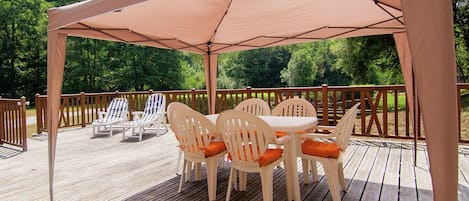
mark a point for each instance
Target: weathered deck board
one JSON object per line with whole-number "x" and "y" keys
{"x": 107, "y": 168}
{"x": 357, "y": 186}
{"x": 390, "y": 188}
{"x": 422, "y": 173}
{"x": 463, "y": 177}
{"x": 375, "y": 179}
{"x": 407, "y": 187}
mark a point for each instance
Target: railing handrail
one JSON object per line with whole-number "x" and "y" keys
{"x": 376, "y": 111}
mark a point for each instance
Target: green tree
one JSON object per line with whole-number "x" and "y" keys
{"x": 369, "y": 60}
{"x": 22, "y": 47}
{"x": 461, "y": 30}
{"x": 301, "y": 70}
{"x": 256, "y": 68}
{"x": 193, "y": 71}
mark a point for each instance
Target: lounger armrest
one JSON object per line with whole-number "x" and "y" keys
{"x": 101, "y": 114}
{"x": 126, "y": 115}
{"x": 161, "y": 113}
{"x": 136, "y": 115}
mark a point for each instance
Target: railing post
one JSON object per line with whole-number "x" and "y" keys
{"x": 39, "y": 114}
{"x": 325, "y": 105}
{"x": 193, "y": 98}
{"x": 23, "y": 124}
{"x": 83, "y": 109}
{"x": 248, "y": 88}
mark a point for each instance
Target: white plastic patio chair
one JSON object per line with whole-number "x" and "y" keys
{"x": 116, "y": 113}
{"x": 330, "y": 154}
{"x": 195, "y": 134}
{"x": 151, "y": 118}
{"x": 247, "y": 139}
{"x": 170, "y": 109}
{"x": 254, "y": 106}
{"x": 297, "y": 107}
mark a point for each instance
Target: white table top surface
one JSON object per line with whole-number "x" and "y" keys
{"x": 282, "y": 123}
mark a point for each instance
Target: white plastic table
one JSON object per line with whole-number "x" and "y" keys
{"x": 290, "y": 125}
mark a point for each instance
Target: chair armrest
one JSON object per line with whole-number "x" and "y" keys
{"x": 315, "y": 135}
{"x": 101, "y": 114}
{"x": 329, "y": 128}
{"x": 126, "y": 116}
{"x": 161, "y": 114}
{"x": 283, "y": 139}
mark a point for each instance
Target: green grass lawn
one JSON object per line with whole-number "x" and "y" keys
{"x": 400, "y": 102}
{"x": 31, "y": 112}
{"x": 31, "y": 128}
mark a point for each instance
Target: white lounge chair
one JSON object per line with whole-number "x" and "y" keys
{"x": 151, "y": 118}
{"x": 116, "y": 113}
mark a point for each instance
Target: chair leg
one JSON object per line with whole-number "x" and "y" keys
{"x": 331, "y": 168}
{"x": 314, "y": 170}
{"x": 235, "y": 180}
{"x": 198, "y": 171}
{"x": 341, "y": 177}
{"x": 140, "y": 133}
{"x": 243, "y": 180}
{"x": 179, "y": 161}
{"x": 212, "y": 165}
{"x": 94, "y": 130}
{"x": 158, "y": 128}
{"x": 110, "y": 130}
{"x": 305, "y": 165}
{"x": 267, "y": 183}
{"x": 230, "y": 183}
{"x": 182, "y": 175}
{"x": 188, "y": 171}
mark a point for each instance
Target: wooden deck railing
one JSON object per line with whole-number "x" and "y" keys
{"x": 13, "y": 118}
{"x": 384, "y": 111}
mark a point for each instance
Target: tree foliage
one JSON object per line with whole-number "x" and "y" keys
{"x": 461, "y": 29}
{"x": 22, "y": 47}
{"x": 301, "y": 70}
{"x": 369, "y": 60}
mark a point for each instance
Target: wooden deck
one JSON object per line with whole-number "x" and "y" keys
{"x": 107, "y": 168}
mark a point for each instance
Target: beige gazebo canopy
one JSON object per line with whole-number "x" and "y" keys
{"x": 423, "y": 30}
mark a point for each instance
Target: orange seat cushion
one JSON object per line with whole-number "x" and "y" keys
{"x": 214, "y": 148}
{"x": 284, "y": 133}
{"x": 269, "y": 156}
{"x": 321, "y": 149}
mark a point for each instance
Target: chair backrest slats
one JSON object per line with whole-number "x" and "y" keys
{"x": 117, "y": 109}
{"x": 254, "y": 106}
{"x": 295, "y": 107}
{"x": 154, "y": 106}
{"x": 192, "y": 129}
{"x": 345, "y": 126}
{"x": 246, "y": 136}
